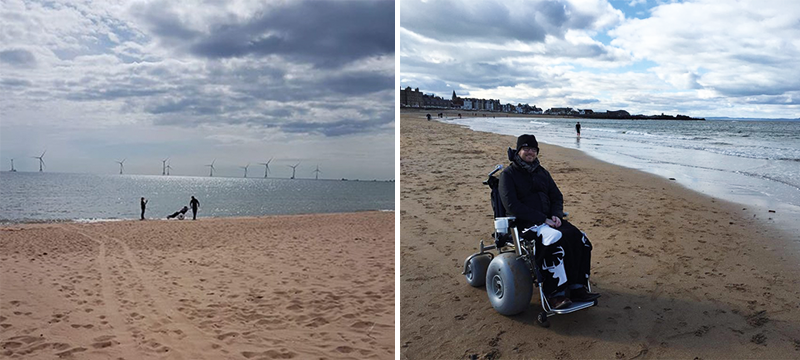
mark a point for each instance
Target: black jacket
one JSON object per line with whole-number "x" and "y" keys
{"x": 530, "y": 197}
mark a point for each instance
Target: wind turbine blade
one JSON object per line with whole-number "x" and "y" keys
{"x": 43, "y": 153}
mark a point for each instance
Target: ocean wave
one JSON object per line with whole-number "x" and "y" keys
{"x": 6, "y": 222}
{"x": 588, "y": 129}
{"x": 538, "y": 123}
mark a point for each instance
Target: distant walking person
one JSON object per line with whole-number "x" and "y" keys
{"x": 578, "y": 128}
{"x": 194, "y": 204}
{"x": 144, "y": 206}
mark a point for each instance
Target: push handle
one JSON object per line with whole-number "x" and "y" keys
{"x": 496, "y": 169}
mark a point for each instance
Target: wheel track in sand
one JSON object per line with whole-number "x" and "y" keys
{"x": 110, "y": 303}
{"x": 151, "y": 324}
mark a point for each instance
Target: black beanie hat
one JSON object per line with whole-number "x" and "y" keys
{"x": 527, "y": 140}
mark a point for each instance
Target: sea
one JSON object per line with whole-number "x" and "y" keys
{"x": 54, "y": 197}
{"x": 755, "y": 163}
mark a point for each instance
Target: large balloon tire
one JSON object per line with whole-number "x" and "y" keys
{"x": 509, "y": 284}
{"x": 476, "y": 270}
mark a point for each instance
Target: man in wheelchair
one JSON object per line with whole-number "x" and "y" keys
{"x": 563, "y": 253}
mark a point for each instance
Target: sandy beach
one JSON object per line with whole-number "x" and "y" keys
{"x": 682, "y": 275}
{"x": 279, "y": 287}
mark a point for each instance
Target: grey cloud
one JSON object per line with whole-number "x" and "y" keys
{"x": 579, "y": 101}
{"x": 163, "y": 21}
{"x": 498, "y": 22}
{"x": 481, "y": 75}
{"x": 454, "y": 20}
{"x": 14, "y": 83}
{"x": 358, "y": 83}
{"x": 745, "y": 90}
{"x": 18, "y": 58}
{"x": 193, "y": 105}
{"x": 336, "y": 128}
{"x": 324, "y": 33}
{"x": 783, "y": 99}
{"x": 102, "y": 93}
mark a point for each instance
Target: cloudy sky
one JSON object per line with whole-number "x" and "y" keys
{"x": 94, "y": 82}
{"x": 704, "y": 58}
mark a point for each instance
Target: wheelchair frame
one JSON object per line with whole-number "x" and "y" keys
{"x": 505, "y": 228}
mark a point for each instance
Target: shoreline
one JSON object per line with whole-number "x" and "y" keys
{"x": 764, "y": 203}
{"x": 595, "y": 116}
{"x": 288, "y": 286}
{"x": 113, "y": 220}
{"x": 681, "y": 274}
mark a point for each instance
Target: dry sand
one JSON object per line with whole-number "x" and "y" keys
{"x": 681, "y": 275}
{"x": 305, "y": 286}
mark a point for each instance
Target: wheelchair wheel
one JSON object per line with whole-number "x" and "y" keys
{"x": 476, "y": 270}
{"x": 542, "y": 320}
{"x": 509, "y": 284}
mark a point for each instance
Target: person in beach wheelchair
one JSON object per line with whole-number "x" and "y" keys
{"x": 563, "y": 253}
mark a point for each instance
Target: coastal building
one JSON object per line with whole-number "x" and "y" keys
{"x": 456, "y": 101}
{"x": 559, "y": 111}
{"x": 416, "y": 99}
{"x": 436, "y": 102}
{"x": 467, "y": 104}
{"x": 527, "y": 109}
{"x": 412, "y": 98}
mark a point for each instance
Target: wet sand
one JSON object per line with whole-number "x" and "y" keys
{"x": 279, "y": 287}
{"x": 682, "y": 275}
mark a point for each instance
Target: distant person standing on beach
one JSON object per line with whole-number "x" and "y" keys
{"x": 194, "y": 204}
{"x": 144, "y": 206}
{"x": 578, "y": 128}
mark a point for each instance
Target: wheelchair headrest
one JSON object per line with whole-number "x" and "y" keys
{"x": 511, "y": 153}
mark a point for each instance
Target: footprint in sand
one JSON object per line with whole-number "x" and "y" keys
{"x": 317, "y": 322}
{"x": 70, "y": 352}
{"x": 270, "y": 354}
{"x": 362, "y": 325}
{"x": 227, "y": 335}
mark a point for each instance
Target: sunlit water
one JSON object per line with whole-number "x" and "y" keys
{"x": 754, "y": 163}
{"x": 34, "y": 196}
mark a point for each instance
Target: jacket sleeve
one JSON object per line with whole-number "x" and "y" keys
{"x": 512, "y": 203}
{"x": 556, "y": 198}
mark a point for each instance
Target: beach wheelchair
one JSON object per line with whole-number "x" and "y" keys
{"x": 511, "y": 274}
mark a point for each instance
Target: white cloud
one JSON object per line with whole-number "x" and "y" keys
{"x": 702, "y": 58}
{"x": 109, "y": 71}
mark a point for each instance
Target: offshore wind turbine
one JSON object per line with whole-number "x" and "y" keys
{"x": 168, "y": 169}
{"x": 120, "y": 165}
{"x": 212, "y": 167}
{"x": 164, "y": 166}
{"x": 316, "y": 173}
{"x": 12, "y": 166}
{"x": 293, "y": 169}
{"x": 41, "y": 160}
{"x": 245, "y": 169}
{"x": 266, "y": 169}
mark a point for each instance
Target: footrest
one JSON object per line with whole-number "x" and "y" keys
{"x": 575, "y": 306}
